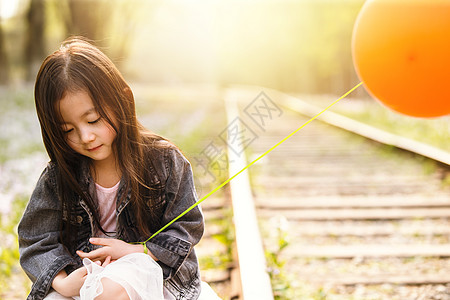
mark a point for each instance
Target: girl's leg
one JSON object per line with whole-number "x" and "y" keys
{"x": 54, "y": 295}
{"x": 112, "y": 290}
{"x": 208, "y": 293}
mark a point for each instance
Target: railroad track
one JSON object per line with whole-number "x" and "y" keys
{"x": 366, "y": 220}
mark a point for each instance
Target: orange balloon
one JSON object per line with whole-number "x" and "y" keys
{"x": 401, "y": 52}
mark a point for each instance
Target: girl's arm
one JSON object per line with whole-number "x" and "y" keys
{"x": 42, "y": 256}
{"x": 69, "y": 285}
{"x": 172, "y": 246}
{"x": 112, "y": 248}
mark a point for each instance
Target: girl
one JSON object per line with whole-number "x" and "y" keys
{"x": 109, "y": 185}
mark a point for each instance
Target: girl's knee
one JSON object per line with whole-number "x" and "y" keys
{"x": 112, "y": 290}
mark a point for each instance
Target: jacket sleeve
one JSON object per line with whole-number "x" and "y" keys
{"x": 174, "y": 244}
{"x": 42, "y": 256}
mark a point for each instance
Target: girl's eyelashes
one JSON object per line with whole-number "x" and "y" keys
{"x": 95, "y": 121}
{"x": 67, "y": 131}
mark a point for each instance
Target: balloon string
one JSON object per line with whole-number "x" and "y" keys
{"x": 250, "y": 164}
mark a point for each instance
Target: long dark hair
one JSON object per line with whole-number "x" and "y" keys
{"x": 80, "y": 66}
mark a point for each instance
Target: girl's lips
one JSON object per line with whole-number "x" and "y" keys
{"x": 95, "y": 148}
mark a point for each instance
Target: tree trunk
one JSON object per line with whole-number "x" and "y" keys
{"x": 108, "y": 23}
{"x": 4, "y": 68}
{"x": 35, "y": 40}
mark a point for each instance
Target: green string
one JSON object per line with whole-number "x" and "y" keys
{"x": 248, "y": 166}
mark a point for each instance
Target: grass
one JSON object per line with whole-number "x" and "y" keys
{"x": 432, "y": 131}
{"x": 19, "y": 139}
{"x": 9, "y": 250}
{"x": 435, "y": 132}
{"x": 285, "y": 285}
{"x": 225, "y": 236}
{"x": 20, "y": 133}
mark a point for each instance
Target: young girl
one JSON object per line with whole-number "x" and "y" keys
{"x": 109, "y": 185}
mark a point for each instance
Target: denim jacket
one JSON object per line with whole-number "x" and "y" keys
{"x": 43, "y": 256}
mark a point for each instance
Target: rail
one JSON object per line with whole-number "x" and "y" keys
{"x": 255, "y": 281}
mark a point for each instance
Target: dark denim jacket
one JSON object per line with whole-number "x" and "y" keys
{"x": 43, "y": 256}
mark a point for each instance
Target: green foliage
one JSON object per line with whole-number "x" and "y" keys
{"x": 281, "y": 283}
{"x": 434, "y": 132}
{"x": 302, "y": 46}
{"x": 226, "y": 236}
{"x": 9, "y": 247}
{"x": 446, "y": 180}
{"x": 285, "y": 285}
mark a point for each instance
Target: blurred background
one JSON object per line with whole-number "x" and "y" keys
{"x": 179, "y": 57}
{"x": 296, "y": 46}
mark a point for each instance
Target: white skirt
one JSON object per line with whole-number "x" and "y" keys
{"x": 137, "y": 273}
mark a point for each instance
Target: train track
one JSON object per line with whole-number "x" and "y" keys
{"x": 365, "y": 220}
{"x": 361, "y": 220}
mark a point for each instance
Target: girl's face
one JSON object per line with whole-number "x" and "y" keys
{"x": 85, "y": 130}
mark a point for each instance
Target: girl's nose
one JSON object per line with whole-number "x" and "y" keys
{"x": 86, "y": 136}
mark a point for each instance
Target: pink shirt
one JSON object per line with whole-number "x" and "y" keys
{"x": 107, "y": 204}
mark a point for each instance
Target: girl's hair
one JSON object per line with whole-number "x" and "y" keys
{"x": 80, "y": 66}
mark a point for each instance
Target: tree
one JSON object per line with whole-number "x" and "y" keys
{"x": 35, "y": 40}
{"x": 110, "y": 24}
{"x": 4, "y": 68}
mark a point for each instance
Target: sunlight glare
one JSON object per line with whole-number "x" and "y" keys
{"x": 8, "y": 8}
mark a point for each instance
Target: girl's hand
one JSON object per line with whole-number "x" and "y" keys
{"x": 70, "y": 285}
{"x": 111, "y": 247}
{"x": 106, "y": 262}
